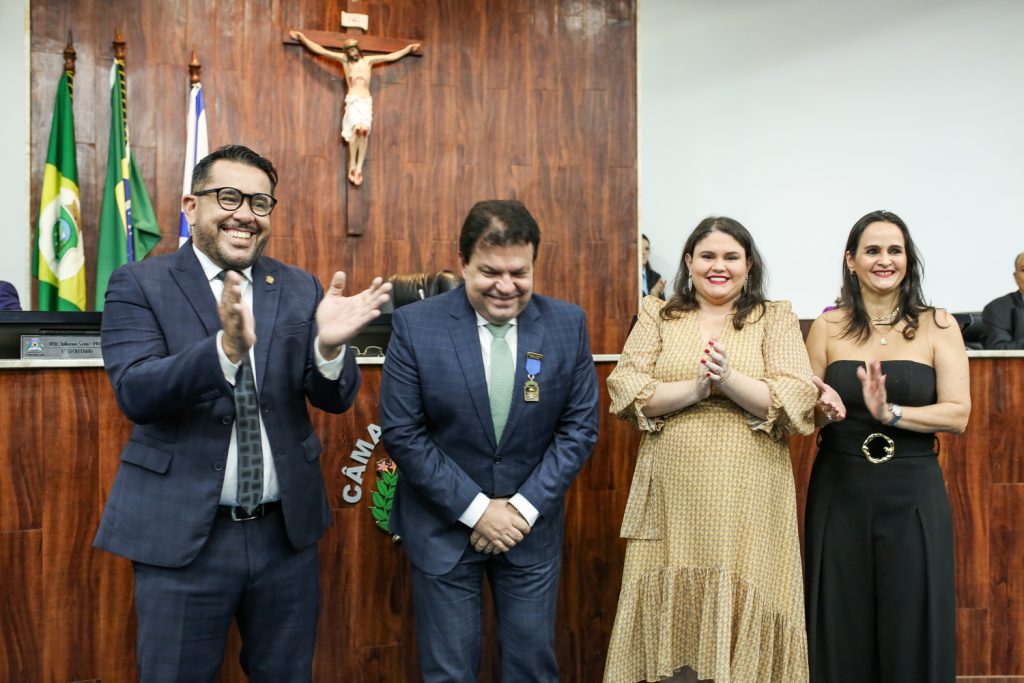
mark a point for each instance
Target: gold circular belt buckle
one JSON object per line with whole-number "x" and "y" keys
{"x": 890, "y": 448}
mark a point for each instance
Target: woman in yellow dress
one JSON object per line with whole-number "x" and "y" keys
{"x": 715, "y": 378}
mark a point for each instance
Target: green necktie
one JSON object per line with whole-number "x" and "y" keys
{"x": 503, "y": 375}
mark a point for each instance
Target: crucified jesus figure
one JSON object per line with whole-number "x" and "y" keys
{"x": 355, "y": 124}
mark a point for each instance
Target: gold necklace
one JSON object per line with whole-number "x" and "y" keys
{"x": 884, "y": 320}
{"x": 887, "y": 318}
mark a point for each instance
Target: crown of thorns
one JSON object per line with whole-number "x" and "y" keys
{"x": 351, "y": 42}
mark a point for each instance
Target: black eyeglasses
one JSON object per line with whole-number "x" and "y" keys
{"x": 230, "y": 199}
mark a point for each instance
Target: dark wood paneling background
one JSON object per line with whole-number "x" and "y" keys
{"x": 68, "y": 610}
{"x": 529, "y": 99}
{"x": 68, "y": 613}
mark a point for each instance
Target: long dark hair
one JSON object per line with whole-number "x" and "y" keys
{"x": 911, "y": 298}
{"x": 751, "y": 297}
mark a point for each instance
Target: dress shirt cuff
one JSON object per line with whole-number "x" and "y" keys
{"x": 330, "y": 369}
{"x": 525, "y": 508}
{"x": 475, "y": 510}
{"x": 229, "y": 369}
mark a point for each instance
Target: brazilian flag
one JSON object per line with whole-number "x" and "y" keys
{"x": 59, "y": 260}
{"x": 128, "y": 228}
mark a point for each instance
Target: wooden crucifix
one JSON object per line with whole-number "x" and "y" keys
{"x": 359, "y": 54}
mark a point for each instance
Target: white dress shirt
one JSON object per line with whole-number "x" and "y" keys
{"x": 329, "y": 369}
{"x": 476, "y": 508}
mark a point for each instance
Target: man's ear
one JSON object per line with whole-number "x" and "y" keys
{"x": 188, "y": 207}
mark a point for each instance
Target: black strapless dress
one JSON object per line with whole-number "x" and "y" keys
{"x": 879, "y": 544}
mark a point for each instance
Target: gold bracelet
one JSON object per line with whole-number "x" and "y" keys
{"x": 725, "y": 379}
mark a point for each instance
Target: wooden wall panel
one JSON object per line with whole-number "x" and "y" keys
{"x": 69, "y": 608}
{"x": 69, "y": 613}
{"x": 21, "y": 593}
{"x": 510, "y": 99}
{"x": 1007, "y": 552}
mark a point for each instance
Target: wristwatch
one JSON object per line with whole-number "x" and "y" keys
{"x": 897, "y": 413}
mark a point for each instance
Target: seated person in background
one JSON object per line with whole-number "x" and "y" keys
{"x": 1004, "y": 317}
{"x": 9, "y": 297}
{"x": 651, "y": 281}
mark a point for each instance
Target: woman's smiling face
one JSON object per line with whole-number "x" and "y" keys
{"x": 719, "y": 267}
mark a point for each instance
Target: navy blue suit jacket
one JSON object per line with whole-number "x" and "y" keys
{"x": 436, "y": 424}
{"x": 9, "y": 297}
{"x": 159, "y": 332}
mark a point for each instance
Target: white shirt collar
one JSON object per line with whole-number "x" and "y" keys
{"x": 481, "y": 321}
{"x": 211, "y": 269}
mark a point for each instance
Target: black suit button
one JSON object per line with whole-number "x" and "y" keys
{"x": 226, "y": 420}
{"x": 497, "y": 460}
{"x": 218, "y": 466}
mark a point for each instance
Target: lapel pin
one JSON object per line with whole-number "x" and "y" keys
{"x": 270, "y": 279}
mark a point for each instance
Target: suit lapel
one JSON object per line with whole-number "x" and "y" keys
{"x": 466, "y": 339}
{"x": 266, "y": 293}
{"x": 189, "y": 275}
{"x": 529, "y": 337}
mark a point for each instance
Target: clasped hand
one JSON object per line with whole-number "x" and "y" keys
{"x": 714, "y": 367}
{"x": 499, "y": 529}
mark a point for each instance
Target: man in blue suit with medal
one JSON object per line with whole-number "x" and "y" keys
{"x": 219, "y": 499}
{"x": 489, "y": 406}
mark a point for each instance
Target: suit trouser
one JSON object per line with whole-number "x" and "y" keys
{"x": 448, "y": 618}
{"x": 249, "y": 572}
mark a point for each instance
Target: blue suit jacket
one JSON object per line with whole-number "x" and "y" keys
{"x": 9, "y": 297}
{"x": 436, "y": 424}
{"x": 159, "y": 332}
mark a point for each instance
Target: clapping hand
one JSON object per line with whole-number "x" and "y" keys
{"x": 829, "y": 403}
{"x": 235, "y": 319}
{"x": 339, "y": 318}
{"x": 873, "y": 385}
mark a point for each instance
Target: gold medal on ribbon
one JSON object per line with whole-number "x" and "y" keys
{"x": 531, "y": 391}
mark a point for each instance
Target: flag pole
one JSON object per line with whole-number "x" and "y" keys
{"x": 122, "y": 84}
{"x": 196, "y": 144}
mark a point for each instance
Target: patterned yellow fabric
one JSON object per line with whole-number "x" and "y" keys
{"x": 712, "y": 577}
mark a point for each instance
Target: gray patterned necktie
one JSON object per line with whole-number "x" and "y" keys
{"x": 249, "y": 441}
{"x": 503, "y": 373}
{"x": 248, "y": 438}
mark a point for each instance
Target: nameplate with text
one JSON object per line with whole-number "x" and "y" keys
{"x": 62, "y": 346}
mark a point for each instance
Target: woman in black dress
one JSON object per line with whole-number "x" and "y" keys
{"x": 891, "y": 372}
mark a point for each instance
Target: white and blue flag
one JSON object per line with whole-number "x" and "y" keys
{"x": 196, "y": 147}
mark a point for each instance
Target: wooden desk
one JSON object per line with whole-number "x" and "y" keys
{"x": 68, "y": 612}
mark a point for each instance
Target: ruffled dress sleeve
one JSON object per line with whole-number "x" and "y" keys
{"x": 787, "y": 372}
{"x": 632, "y": 383}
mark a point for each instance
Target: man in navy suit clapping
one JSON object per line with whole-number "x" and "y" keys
{"x": 219, "y": 499}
